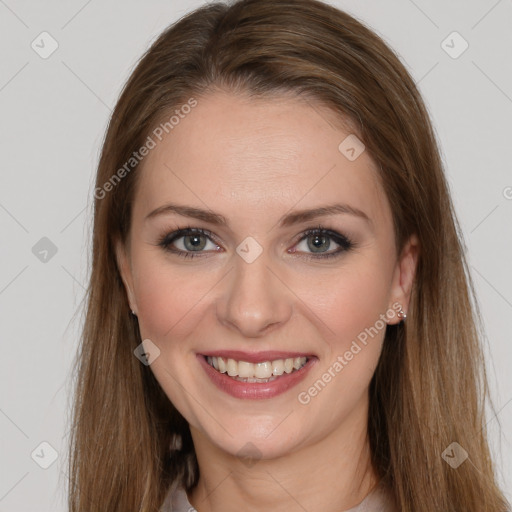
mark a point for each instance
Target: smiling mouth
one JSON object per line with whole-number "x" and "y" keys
{"x": 265, "y": 371}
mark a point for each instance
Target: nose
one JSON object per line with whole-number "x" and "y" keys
{"x": 254, "y": 300}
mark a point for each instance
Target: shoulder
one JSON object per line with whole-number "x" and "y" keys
{"x": 380, "y": 499}
{"x": 177, "y": 501}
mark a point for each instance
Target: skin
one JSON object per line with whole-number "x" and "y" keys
{"x": 254, "y": 161}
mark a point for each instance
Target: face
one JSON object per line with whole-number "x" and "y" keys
{"x": 256, "y": 238}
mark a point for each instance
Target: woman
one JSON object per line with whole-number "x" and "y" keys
{"x": 279, "y": 313}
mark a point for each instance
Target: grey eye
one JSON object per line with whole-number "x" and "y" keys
{"x": 194, "y": 242}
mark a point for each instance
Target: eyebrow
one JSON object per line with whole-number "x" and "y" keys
{"x": 286, "y": 220}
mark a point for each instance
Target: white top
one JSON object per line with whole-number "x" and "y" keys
{"x": 379, "y": 500}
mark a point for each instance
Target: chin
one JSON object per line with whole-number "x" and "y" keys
{"x": 255, "y": 442}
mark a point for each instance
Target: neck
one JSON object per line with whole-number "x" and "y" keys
{"x": 330, "y": 474}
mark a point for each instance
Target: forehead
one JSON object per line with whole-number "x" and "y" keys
{"x": 233, "y": 153}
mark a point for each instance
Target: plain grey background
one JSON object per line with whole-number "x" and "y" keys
{"x": 54, "y": 111}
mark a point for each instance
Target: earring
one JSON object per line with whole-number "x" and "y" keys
{"x": 176, "y": 443}
{"x": 401, "y": 314}
{"x": 133, "y": 313}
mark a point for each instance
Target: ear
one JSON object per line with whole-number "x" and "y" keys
{"x": 403, "y": 277}
{"x": 124, "y": 266}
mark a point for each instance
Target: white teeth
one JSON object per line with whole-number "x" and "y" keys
{"x": 278, "y": 367}
{"x": 264, "y": 370}
{"x": 221, "y": 365}
{"x": 232, "y": 368}
{"x": 245, "y": 369}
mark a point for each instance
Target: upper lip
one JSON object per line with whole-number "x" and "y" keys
{"x": 255, "y": 357}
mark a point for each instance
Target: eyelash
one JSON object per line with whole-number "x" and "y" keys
{"x": 343, "y": 241}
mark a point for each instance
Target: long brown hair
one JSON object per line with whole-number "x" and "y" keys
{"x": 430, "y": 386}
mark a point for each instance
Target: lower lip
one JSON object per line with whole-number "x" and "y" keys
{"x": 255, "y": 390}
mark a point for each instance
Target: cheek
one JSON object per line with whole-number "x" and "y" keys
{"x": 351, "y": 300}
{"x": 352, "y": 310}
{"x": 352, "y": 305}
{"x": 169, "y": 308}
{"x": 168, "y": 299}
